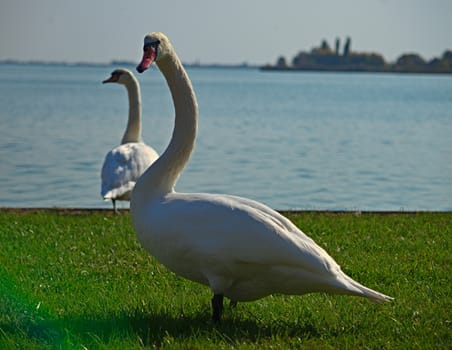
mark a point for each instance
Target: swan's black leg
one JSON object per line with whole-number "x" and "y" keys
{"x": 114, "y": 206}
{"x": 217, "y": 307}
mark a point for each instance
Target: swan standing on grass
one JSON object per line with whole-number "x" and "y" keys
{"x": 240, "y": 248}
{"x": 124, "y": 164}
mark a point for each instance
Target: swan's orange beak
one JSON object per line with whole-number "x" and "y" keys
{"x": 148, "y": 58}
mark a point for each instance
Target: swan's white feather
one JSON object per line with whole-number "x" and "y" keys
{"x": 124, "y": 164}
{"x": 239, "y": 247}
{"x": 122, "y": 167}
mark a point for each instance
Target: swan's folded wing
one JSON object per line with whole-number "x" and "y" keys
{"x": 226, "y": 227}
{"x": 123, "y": 166}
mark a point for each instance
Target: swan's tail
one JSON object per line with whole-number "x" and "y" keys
{"x": 121, "y": 193}
{"x": 107, "y": 196}
{"x": 373, "y": 295}
{"x": 355, "y": 288}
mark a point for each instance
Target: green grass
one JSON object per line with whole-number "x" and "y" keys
{"x": 76, "y": 281}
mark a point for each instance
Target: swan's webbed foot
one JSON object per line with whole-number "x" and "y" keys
{"x": 217, "y": 307}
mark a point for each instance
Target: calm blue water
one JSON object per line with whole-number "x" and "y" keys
{"x": 293, "y": 141}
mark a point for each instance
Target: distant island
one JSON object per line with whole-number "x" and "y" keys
{"x": 323, "y": 58}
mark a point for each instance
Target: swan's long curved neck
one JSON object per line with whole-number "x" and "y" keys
{"x": 133, "y": 129}
{"x": 161, "y": 177}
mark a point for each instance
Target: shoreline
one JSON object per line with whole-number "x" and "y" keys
{"x": 77, "y": 211}
{"x": 337, "y": 69}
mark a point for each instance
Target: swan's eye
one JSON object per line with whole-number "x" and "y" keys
{"x": 154, "y": 45}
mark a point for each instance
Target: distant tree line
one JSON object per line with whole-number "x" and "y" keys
{"x": 324, "y": 58}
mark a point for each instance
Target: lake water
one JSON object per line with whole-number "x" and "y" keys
{"x": 335, "y": 141}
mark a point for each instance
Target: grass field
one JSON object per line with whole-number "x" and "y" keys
{"x": 80, "y": 280}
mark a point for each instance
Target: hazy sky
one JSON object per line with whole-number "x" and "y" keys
{"x": 209, "y": 31}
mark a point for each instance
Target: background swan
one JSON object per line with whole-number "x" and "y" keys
{"x": 124, "y": 164}
{"x": 238, "y": 247}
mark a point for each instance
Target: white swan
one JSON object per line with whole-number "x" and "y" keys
{"x": 238, "y": 247}
{"x": 124, "y": 164}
